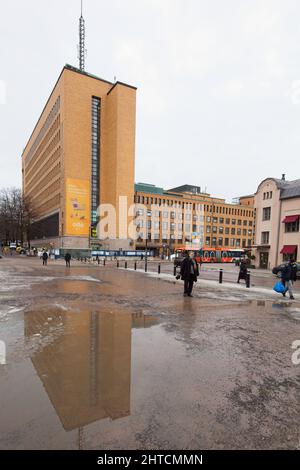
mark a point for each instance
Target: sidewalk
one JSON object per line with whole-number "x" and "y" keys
{"x": 253, "y": 293}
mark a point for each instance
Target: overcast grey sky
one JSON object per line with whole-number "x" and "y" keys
{"x": 218, "y": 83}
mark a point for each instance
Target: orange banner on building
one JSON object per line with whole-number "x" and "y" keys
{"x": 77, "y": 207}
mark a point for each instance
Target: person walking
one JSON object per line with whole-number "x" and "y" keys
{"x": 288, "y": 277}
{"x": 242, "y": 271}
{"x": 68, "y": 260}
{"x": 189, "y": 272}
{"x": 45, "y": 258}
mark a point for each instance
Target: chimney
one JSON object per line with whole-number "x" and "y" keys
{"x": 283, "y": 177}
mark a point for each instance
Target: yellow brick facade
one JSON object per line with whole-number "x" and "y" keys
{"x": 59, "y": 154}
{"x": 225, "y": 226}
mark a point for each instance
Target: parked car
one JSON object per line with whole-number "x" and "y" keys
{"x": 277, "y": 270}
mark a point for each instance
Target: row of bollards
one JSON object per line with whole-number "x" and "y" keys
{"x": 146, "y": 267}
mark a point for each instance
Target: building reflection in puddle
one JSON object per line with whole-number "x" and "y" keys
{"x": 85, "y": 361}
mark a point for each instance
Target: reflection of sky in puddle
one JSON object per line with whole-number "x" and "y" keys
{"x": 84, "y": 361}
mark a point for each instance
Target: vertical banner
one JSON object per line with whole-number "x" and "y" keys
{"x": 77, "y": 207}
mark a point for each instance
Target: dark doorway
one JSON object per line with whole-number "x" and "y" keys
{"x": 264, "y": 260}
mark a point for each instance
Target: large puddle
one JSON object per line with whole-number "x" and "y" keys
{"x": 112, "y": 360}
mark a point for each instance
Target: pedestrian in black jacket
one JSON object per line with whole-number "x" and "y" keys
{"x": 45, "y": 258}
{"x": 68, "y": 260}
{"x": 243, "y": 271}
{"x": 189, "y": 273}
{"x": 289, "y": 276}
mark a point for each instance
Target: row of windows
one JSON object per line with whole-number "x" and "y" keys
{"x": 228, "y": 230}
{"x": 194, "y": 228}
{"x": 232, "y": 242}
{"x": 50, "y": 190}
{"x": 40, "y": 154}
{"x": 52, "y": 160}
{"x": 43, "y": 130}
{"x": 95, "y": 190}
{"x": 193, "y": 206}
{"x": 226, "y": 242}
{"x": 268, "y": 195}
{"x": 48, "y": 206}
{"x": 53, "y": 173}
{"x": 30, "y": 173}
{"x": 187, "y": 216}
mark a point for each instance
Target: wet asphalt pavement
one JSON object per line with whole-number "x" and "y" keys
{"x": 99, "y": 358}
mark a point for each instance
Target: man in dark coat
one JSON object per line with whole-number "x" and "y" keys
{"x": 289, "y": 276}
{"x": 45, "y": 258}
{"x": 189, "y": 273}
{"x": 243, "y": 271}
{"x": 68, "y": 260}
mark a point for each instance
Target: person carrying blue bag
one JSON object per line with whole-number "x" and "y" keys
{"x": 288, "y": 277}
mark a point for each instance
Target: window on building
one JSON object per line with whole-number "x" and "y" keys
{"x": 292, "y": 226}
{"x": 214, "y": 241}
{"x": 233, "y": 231}
{"x": 215, "y": 229}
{"x": 221, "y": 220}
{"x": 228, "y": 221}
{"x": 226, "y": 242}
{"x": 220, "y": 241}
{"x": 227, "y": 230}
{"x": 266, "y": 213}
{"x": 208, "y": 229}
{"x": 232, "y": 242}
{"x": 265, "y": 237}
{"x": 207, "y": 241}
{"x": 221, "y": 229}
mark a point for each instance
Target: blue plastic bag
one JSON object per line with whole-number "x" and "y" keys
{"x": 279, "y": 287}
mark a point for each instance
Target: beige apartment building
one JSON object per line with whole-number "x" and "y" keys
{"x": 187, "y": 217}
{"x": 277, "y": 207}
{"x": 80, "y": 154}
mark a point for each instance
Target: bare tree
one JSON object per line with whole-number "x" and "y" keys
{"x": 16, "y": 215}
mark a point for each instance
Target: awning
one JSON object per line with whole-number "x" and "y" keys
{"x": 291, "y": 218}
{"x": 289, "y": 249}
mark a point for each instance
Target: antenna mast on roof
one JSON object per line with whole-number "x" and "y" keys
{"x": 81, "y": 47}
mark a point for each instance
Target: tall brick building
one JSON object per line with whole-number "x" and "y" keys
{"x": 80, "y": 154}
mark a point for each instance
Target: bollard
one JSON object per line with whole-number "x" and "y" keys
{"x": 248, "y": 279}
{"x": 135, "y": 266}
{"x": 159, "y": 269}
{"x": 98, "y": 260}
{"x": 118, "y": 264}
{"x": 104, "y": 262}
{"x": 175, "y": 270}
{"x": 221, "y": 276}
{"x": 126, "y": 265}
{"x": 146, "y": 267}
